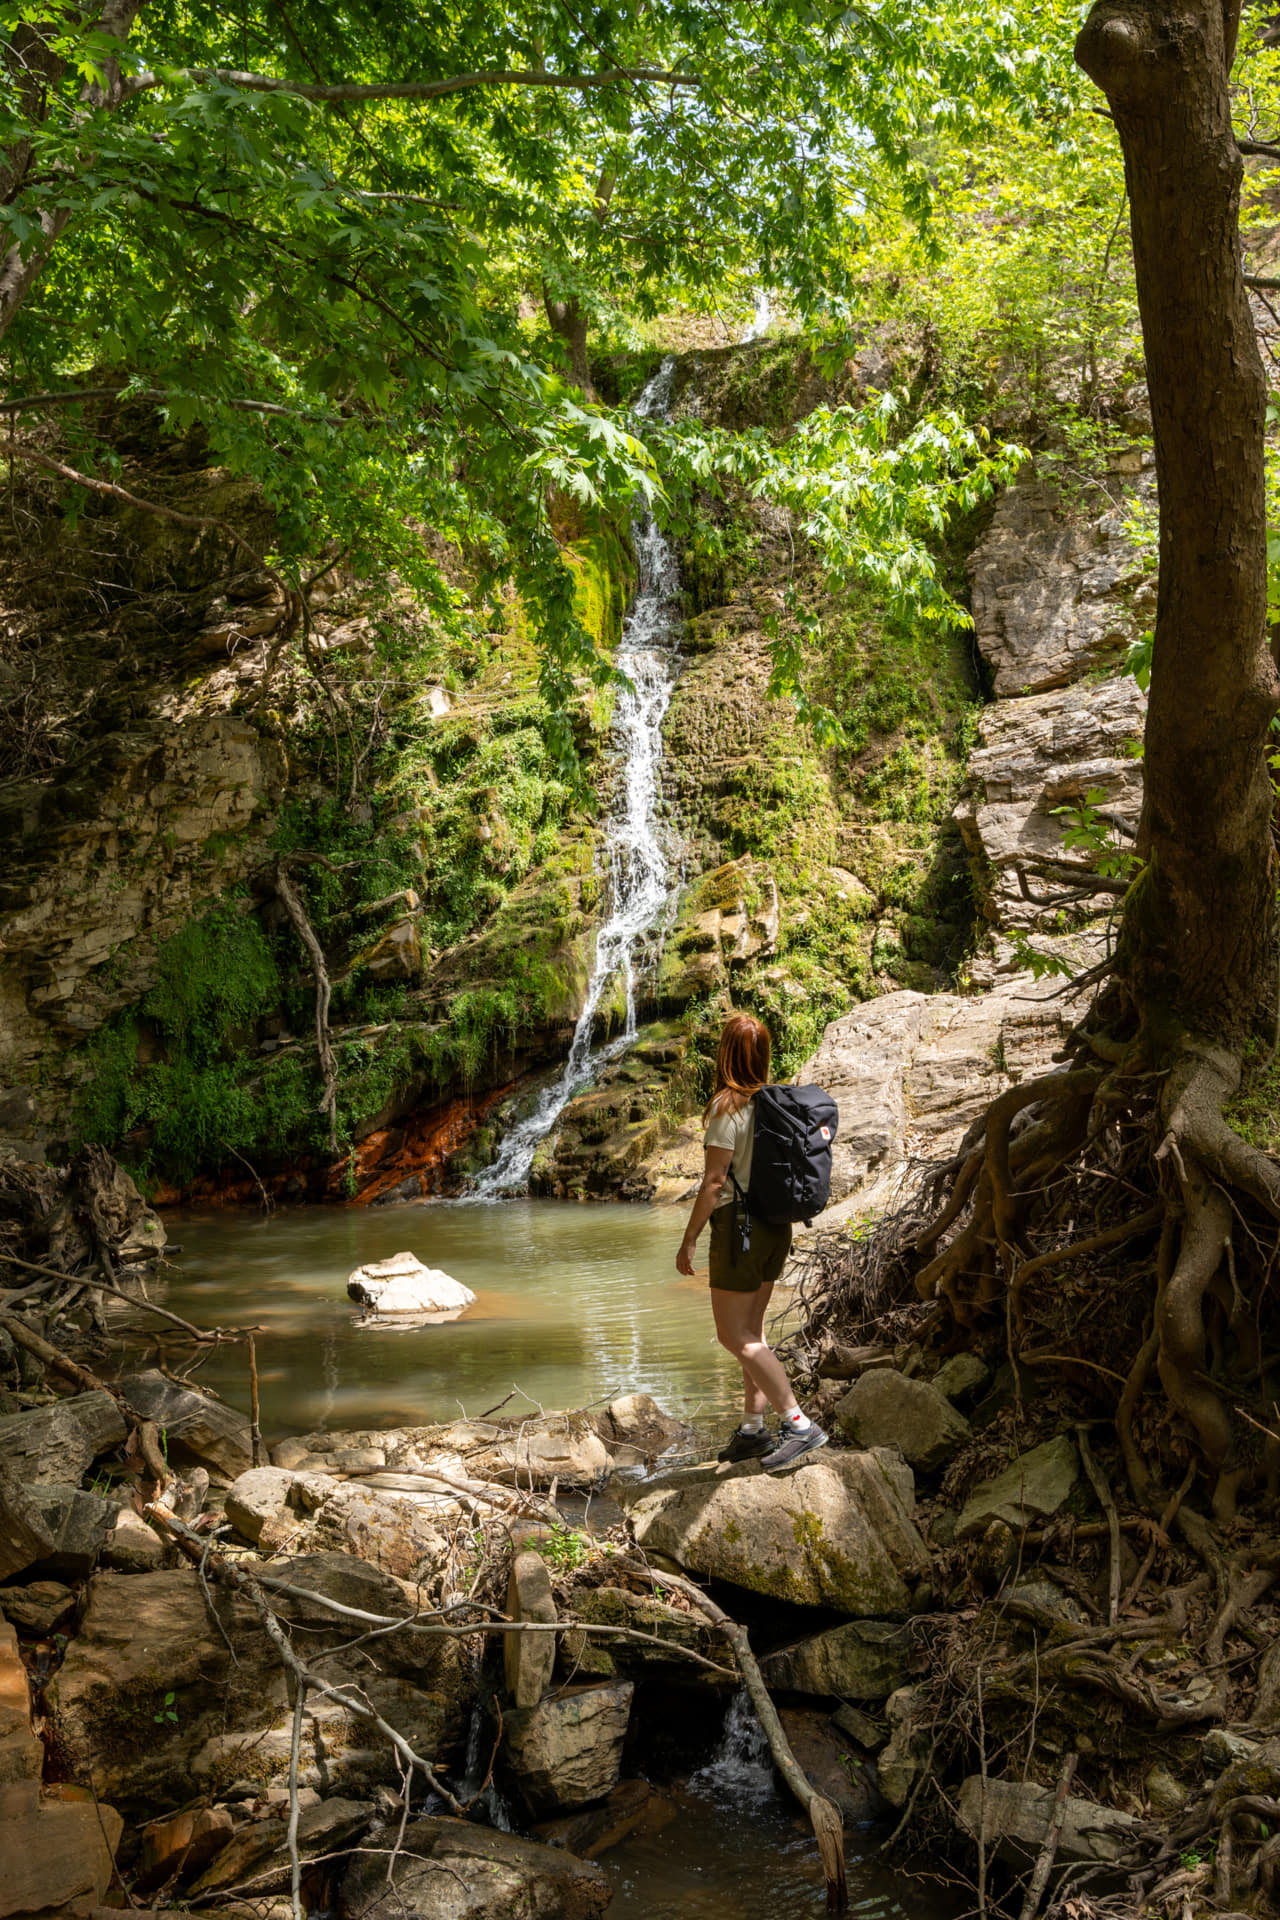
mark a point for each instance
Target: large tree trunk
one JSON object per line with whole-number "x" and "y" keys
{"x": 1129, "y": 1144}
{"x": 1198, "y": 946}
{"x": 569, "y": 324}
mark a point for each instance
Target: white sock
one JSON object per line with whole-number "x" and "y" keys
{"x": 793, "y": 1421}
{"x": 755, "y": 1424}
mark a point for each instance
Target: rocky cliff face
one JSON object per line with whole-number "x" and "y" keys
{"x": 1057, "y": 602}
{"x": 154, "y": 994}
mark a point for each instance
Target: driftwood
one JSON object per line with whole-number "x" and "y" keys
{"x": 824, "y": 1816}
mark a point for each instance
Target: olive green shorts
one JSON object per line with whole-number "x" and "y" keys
{"x": 734, "y": 1271}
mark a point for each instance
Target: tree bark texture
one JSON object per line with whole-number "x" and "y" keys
{"x": 569, "y": 324}
{"x": 1198, "y": 940}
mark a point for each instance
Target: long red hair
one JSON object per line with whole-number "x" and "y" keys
{"x": 742, "y": 1064}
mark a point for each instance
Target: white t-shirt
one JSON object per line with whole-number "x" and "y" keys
{"x": 734, "y": 1133}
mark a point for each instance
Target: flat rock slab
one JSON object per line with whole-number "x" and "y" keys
{"x": 452, "y": 1870}
{"x": 567, "y": 1751}
{"x": 1014, "y": 1814}
{"x": 198, "y": 1430}
{"x": 1031, "y": 1488}
{"x": 259, "y": 1851}
{"x": 865, "y": 1660}
{"x": 885, "y": 1409}
{"x": 48, "y": 1445}
{"x": 838, "y": 1530}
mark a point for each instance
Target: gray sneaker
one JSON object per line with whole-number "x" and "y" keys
{"x": 794, "y": 1447}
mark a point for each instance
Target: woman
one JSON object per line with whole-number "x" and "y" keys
{"x": 742, "y": 1279}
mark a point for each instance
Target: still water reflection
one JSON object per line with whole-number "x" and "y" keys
{"x": 575, "y": 1304}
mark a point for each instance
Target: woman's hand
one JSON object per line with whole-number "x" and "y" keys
{"x": 684, "y": 1257}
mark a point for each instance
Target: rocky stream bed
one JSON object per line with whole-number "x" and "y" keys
{"x": 443, "y": 1670}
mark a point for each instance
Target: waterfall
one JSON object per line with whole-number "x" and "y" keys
{"x": 740, "y": 1768}
{"x": 760, "y": 321}
{"x": 638, "y": 878}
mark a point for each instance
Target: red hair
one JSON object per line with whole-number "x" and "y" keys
{"x": 742, "y": 1064}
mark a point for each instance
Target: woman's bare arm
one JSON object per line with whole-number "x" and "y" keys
{"x": 718, "y": 1160}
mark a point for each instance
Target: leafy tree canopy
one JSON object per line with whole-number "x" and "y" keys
{"x": 309, "y": 230}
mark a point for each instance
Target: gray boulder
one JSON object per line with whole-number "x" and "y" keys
{"x": 25, "y": 1536}
{"x": 838, "y": 1531}
{"x": 1013, "y": 1816}
{"x": 132, "y": 1546}
{"x": 863, "y": 1660}
{"x": 636, "y": 1420}
{"x": 962, "y": 1377}
{"x": 567, "y": 1750}
{"x": 452, "y": 1870}
{"x": 48, "y": 1446}
{"x": 255, "y": 1497}
{"x": 1033, "y": 1487}
{"x": 202, "y": 1432}
{"x": 885, "y": 1409}
{"x": 79, "y": 1523}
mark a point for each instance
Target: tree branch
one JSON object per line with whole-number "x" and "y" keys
{"x": 346, "y": 91}
{"x": 202, "y": 523}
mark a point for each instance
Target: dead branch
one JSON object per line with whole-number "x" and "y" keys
{"x": 824, "y": 1815}
{"x": 324, "y": 1046}
{"x": 1039, "y": 1880}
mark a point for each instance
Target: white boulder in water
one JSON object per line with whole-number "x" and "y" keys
{"x": 402, "y": 1286}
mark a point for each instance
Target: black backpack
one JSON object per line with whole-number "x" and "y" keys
{"x": 790, "y": 1159}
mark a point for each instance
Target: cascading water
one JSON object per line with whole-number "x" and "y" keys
{"x": 638, "y": 871}
{"x": 740, "y": 1770}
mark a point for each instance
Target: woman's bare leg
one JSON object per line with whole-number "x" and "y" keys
{"x": 739, "y": 1321}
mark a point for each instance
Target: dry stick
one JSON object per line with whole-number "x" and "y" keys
{"x": 255, "y": 1432}
{"x": 295, "y": 1745}
{"x": 148, "y": 1306}
{"x": 22, "y": 1336}
{"x": 1098, "y": 1481}
{"x": 194, "y": 1545}
{"x": 1053, "y": 1833}
{"x": 824, "y": 1815}
{"x": 324, "y": 1046}
{"x": 1167, "y": 1519}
